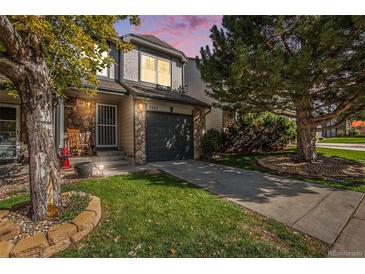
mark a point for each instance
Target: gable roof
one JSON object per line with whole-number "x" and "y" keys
{"x": 152, "y": 41}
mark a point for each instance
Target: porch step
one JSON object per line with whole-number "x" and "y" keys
{"x": 111, "y": 164}
{"x": 109, "y": 158}
{"x": 106, "y": 153}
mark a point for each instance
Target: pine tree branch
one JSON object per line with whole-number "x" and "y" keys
{"x": 343, "y": 107}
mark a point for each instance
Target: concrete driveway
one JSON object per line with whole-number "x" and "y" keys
{"x": 334, "y": 216}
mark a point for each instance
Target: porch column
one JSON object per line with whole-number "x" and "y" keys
{"x": 59, "y": 125}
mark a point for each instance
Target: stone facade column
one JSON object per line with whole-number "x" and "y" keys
{"x": 199, "y": 128}
{"x": 80, "y": 113}
{"x": 140, "y": 131}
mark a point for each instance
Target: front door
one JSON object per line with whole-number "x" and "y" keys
{"x": 106, "y": 125}
{"x": 9, "y": 131}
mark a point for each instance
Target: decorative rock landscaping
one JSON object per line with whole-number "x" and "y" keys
{"x": 46, "y": 244}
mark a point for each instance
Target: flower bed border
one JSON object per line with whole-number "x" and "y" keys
{"x": 59, "y": 237}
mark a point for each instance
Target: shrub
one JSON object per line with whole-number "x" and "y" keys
{"x": 354, "y": 131}
{"x": 259, "y": 132}
{"x": 211, "y": 142}
{"x": 76, "y": 204}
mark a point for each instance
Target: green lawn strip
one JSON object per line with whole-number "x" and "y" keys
{"x": 161, "y": 216}
{"x": 18, "y": 198}
{"x": 249, "y": 161}
{"x": 358, "y": 156}
{"x": 344, "y": 140}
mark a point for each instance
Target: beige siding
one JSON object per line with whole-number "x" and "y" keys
{"x": 196, "y": 89}
{"x": 126, "y": 130}
{"x": 164, "y": 106}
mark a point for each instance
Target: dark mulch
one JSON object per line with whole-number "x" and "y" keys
{"x": 324, "y": 167}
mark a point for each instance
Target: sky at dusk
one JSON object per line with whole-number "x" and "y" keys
{"x": 185, "y": 32}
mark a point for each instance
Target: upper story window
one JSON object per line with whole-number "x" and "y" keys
{"x": 155, "y": 70}
{"x": 107, "y": 71}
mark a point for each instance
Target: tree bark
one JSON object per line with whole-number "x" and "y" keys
{"x": 306, "y": 132}
{"x": 23, "y": 63}
{"x": 36, "y": 97}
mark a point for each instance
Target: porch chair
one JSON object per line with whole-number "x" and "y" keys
{"x": 73, "y": 136}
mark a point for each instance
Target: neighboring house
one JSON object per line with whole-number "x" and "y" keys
{"x": 140, "y": 108}
{"x": 216, "y": 118}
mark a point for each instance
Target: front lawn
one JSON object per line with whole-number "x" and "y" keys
{"x": 248, "y": 161}
{"x": 345, "y": 140}
{"x": 157, "y": 215}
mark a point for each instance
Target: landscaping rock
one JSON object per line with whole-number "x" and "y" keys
{"x": 53, "y": 249}
{"x": 94, "y": 206}
{"x": 5, "y": 248}
{"x": 30, "y": 247}
{"x": 84, "y": 220}
{"x": 8, "y": 230}
{"x": 61, "y": 232}
{"x": 3, "y": 213}
{"x": 80, "y": 235}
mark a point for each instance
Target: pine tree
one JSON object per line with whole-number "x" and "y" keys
{"x": 311, "y": 68}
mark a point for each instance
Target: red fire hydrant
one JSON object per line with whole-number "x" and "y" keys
{"x": 65, "y": 158}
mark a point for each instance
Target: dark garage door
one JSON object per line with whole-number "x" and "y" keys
{"x": 169, "y": 136}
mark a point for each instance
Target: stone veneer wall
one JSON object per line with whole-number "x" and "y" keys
{"x": 82, "y": 117}
{"x": 199, "y": 127}
{"x": 140, "y": 131}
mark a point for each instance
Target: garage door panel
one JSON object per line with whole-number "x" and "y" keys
{"x": 168, "y": 136}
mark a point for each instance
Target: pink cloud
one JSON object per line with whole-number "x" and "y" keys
{"x": 185, "y": 32}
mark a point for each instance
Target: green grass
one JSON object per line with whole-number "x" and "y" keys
{"x": 248, "y": 161}
{"x": 345, "y": 140}
{"x": 158, "y": 215}
{"x": 357, "y": 156}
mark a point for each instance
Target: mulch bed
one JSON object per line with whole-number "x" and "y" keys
{"x": 324, "y": 167}
{"x": 20, "y": 215}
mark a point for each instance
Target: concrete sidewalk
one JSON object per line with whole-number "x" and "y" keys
{"x": 334, "y": 216}
{"x": 357, "y": 147}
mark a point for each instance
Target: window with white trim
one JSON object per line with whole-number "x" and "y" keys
{"x": 155, "y": 70}
{"x": 104, "y": 72}
{"x": 163, "y": 73}
{"x": 148, "y": 69}
{"x": 108, "y": 71}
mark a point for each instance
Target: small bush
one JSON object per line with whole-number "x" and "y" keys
{"x": 354, "y": 131}
{"x": 259, "y": 132}
{"x": 211, "y": 142}
{"x": 76, "y": 205}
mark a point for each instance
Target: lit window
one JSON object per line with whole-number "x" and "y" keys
{"x": 163, "y": 76}
{"x": 148, "y": 69}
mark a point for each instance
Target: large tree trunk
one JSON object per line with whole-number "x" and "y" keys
{"x": 24, "y": 65}
{"x": 36, "y": 96}
{"x": 306, "y": 133}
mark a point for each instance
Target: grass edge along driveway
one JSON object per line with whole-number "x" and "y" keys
{"x": 158, "y": 215}
{"x": 249, "y": 161}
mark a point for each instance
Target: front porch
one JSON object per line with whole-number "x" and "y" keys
{"x": 97, "y": 128}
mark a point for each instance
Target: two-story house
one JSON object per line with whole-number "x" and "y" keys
{"x": 141, "y": 109}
